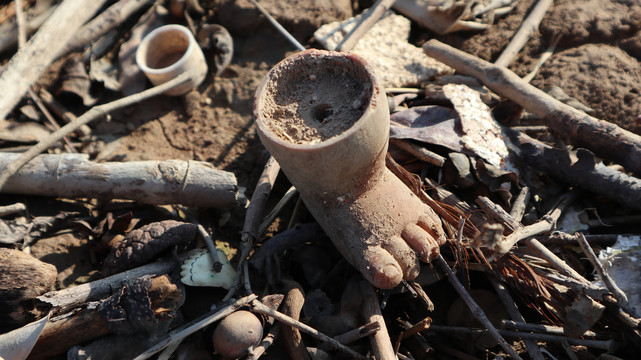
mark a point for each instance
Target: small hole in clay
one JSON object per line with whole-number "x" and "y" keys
{"x": 322, "y": 111}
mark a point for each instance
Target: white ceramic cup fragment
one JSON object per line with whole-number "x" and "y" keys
{"x": 168, "y": 52}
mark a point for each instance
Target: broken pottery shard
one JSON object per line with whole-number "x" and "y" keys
{"x": 482, "y": 134}
{"x": 396, "y": 62}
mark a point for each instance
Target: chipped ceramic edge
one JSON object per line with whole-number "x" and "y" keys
{"x": 198, "y": 270}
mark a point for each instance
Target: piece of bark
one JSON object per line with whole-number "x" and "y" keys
{"x": 140, "y": 305}
{"x": 22, "y": 277}
{"x": 32, "y": 60}
{"x": 62, "y": 301}
{"x": 191, "y": 183}
{"x": 605, "y": 139}
{"x": 581, "y": 168}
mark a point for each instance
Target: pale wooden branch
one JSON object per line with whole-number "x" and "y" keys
{"x": 197, "y": 324}
{"x": 519, "y": 206}
{"x": 278, "y": 26}
{"x": 540, "y": 328}
{"x": 605, "y": 139}
{"x": 12, "y": 209}
{"x": 475, "y": 309}
{"x": 365, "y": 23}
{"x": 380, "y": 342}
{"x": 107, "y": 20}
{"x": 62, "y": 301}
{"x": 621, "y": 297}
{"x": 258, "y": 307}
{"x": 528, "y": 27}
{"x": 28, "y": 64}
{"x": 191, "y": 183}
{"x": 608, "y": 345}
{"x": 93, "y": 114}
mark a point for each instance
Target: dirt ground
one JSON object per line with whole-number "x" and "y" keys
{"x": 596, "y": 62}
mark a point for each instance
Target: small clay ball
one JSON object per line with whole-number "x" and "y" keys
{"x": 236, "y": 333}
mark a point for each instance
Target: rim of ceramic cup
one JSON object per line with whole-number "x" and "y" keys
{"x": 141, "y": 59}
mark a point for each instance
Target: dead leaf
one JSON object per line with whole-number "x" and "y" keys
{"x": 435, "y": 125}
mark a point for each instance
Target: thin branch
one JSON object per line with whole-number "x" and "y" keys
{"x": 528, "y": 27}
{"x": 621, "y": 297}
{"x": 475, "y": 309}
{"x": 93, "y": 114}
{"x": 604, "y": 138}
{"x": 198, "y": 324}
{"x": 12, "y": 209}
{"x": 367, "y": 20}
{"x": 258, "y": 307}
{"x": 28, "y": 64}
{"x": 608, "y": 345}
{"x": 289, "y": 195}
{"x": 515, "y": 314}
{"x": 278, "y": 26}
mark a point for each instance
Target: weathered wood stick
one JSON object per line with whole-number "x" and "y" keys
{"x": 109, "y": 19}
{"x": 191, "y": 183}
{"x": 382, "y": 348}
{"x": 144, "y": 301}
{"x": 367, "y": 20}
{"x": 605, "y": 139}
{"x": 31, "y": 61}
{"x": 64, "y": 300}
{"x": 529, "y": 26}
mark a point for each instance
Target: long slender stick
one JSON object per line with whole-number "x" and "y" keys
{"x": 258, "y": 307}
{"x": 196, "y": 325}
{"x": 515, "y": 314}
{"x": 382, "y": 348}
{"x": 529, "y": 26}
{"x": 621, "y": 297}
{"x": 93, "y": 114}
{"x": 278, "y": 26}
{"x": 603, "y": 138}
{"x": 608, "y": 345}
{"x": 475, "y": 309}
{"x": 365, "y": 23}
{"x": 28, "y": 64}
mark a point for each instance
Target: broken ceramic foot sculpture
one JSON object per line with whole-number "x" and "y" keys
{"x": 324, "y": 117}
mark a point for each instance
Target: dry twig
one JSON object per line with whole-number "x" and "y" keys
{"x": 621, "y": 297}
{"x": 28, "y": 64}
{"x": 367, "y": 20}
{"x": 475, "y": 309}
{"x": 604, "y": 138}
{"x": 528, "y": 27}
{"x": 196, "y": 325}
{"x": 93, "y": 114}
{"x": 258, "y": 307}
